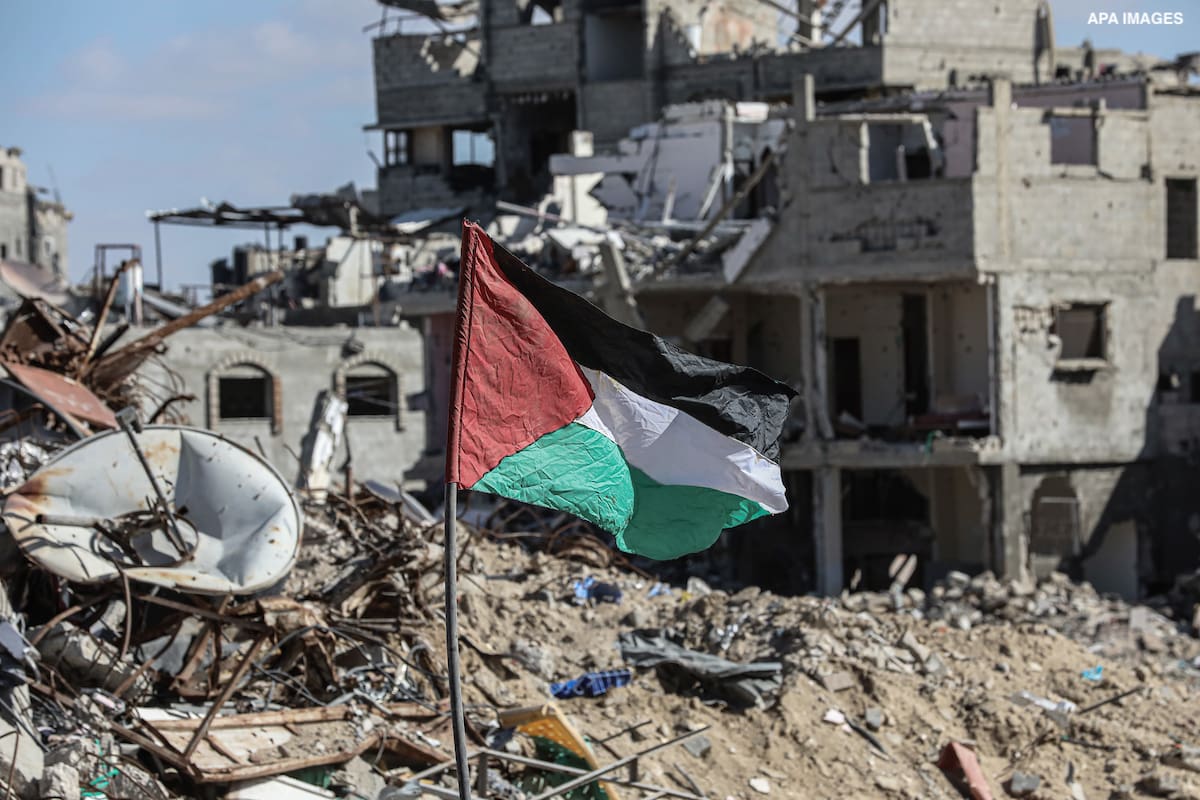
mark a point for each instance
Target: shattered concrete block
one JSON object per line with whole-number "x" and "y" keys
{"x": 888, "y": 783}
{"x": 1152, "y": 642}
{"x": 838, "y": 681}
{"x": 760, "y": 785}
{"x": 874, "y": 718}
{"x": 1022, "y": 784}
{"x": 533, "y": 658}
{"x": 639, "y": 618}
{"x": 910, "y": 643}
{"x": 91, "y": 661}
{"x": 1184, "y": 757}
{"x": 61, "y": 781}
{"x": 699, "y": 746}
{"x": 30, "y": 763}
{"x": 1160, "y": 784}
{"x": 934, "y": 666}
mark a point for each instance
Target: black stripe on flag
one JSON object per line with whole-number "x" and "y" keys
{"x": 740, "y": 402}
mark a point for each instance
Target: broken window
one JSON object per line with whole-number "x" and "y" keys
{"x": 1181, "y": 218}
{"x": 1072, "y": 140}
{"x": 914, "y": 319}
{"x": 1194, "y": 387}
{"x": 539, "y": 12}
{"x": 610, "y": 36}
{"x": 874, "y": 23}
{"x": 371, "y": 392}
{"x": 472, "y": 147}
{"x": 902, "y": 151}
{"x": 1054, "y": 531}
{"x": 244, "y": 397}
{"x": 1081, "y": 330}
{"x": 847, "y": 378}
{"x": 397, "y": 148}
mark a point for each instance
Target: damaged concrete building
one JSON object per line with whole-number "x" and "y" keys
{"x": 474, "y": 110}
{"x": 988, "y": 297}
{"x": 33, "y": 228}
{"x": 978, "y": 263}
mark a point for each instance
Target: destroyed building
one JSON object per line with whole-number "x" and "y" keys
{"x": 325, "y": 350}
{"x": 988, "y": 297}
{"x": 472, "y": 99}
{"x": 33, "y": 228}
{"x": 974, "y": 262}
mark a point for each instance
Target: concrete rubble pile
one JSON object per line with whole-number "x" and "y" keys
{"x": 178, "y": 621}
{"x": 1107, "y": 624}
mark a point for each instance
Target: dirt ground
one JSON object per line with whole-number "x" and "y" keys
{"x": 521, "y": 605}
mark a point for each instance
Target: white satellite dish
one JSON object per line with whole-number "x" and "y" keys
{"x": 91, "y": 513}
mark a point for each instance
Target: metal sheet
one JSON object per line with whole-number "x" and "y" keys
{"x": 235, "y": 508}
{"x": 64, "y": 394}
{"x": 30, "y": 280}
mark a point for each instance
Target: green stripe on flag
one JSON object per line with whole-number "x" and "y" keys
{"x": 573, "y": 469}
{"x": 583, "y": 472}
{"x": 672, "y": 521}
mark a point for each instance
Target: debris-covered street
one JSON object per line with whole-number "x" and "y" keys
{"x": 599, "y": 400}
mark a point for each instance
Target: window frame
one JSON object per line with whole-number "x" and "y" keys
{"x": 1087, "y": 361}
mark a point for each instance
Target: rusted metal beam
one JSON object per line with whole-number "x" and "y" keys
{"x": 225, "y": 694}
{"x": 109, "y": 297}
{"x": 116, "y": 365}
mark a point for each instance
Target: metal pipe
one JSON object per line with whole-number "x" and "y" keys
{"x": 452, "y": 662}
{"x": 158, "y": 255}
{"x": 124, "y": 418}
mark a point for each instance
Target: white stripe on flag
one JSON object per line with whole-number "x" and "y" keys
{"x": 676, "y": 449}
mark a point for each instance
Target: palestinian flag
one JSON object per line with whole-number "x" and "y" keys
{"x": 556, "y": 404}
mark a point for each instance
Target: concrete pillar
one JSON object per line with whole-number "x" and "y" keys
{"x": 1000, "y": 99}
{"x": 804, "y": 99}
{"x": 827, "y": 529}
{"x": 820, "y": 390}
{"x": 1008, "y": 532}
{"x": 807, "y": 381}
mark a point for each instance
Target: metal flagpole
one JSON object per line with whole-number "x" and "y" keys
{"x": 456, "y": 705}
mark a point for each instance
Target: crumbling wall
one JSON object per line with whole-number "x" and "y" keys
{"x": 1034, "y": 214}
{"x": 927, "y": 40}
{"x": 427, "y": 79}
{"x": 958, "y": 330}
{"x": 1059, "y": 412}
{"x": 405, "y": 188}
{"x": 544, "y": 55}
{"x": 611, "y": 108}
{"x": 680, "y": 31}
{"x": 305, "y": 362}
{"x": 1175, "y": 135}
{"x": 14, "y": 225}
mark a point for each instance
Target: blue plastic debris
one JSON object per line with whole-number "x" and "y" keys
{"x": 592, "y": 684}
{"x": 591, "y": 589}
{"x": 1093, "y": 674}
{"x": 659, "y": 588}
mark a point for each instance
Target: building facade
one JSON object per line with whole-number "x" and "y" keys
{"x": 33, "y": 229}
{"x": 988, "y": 300}
{"x": 474, "y": 111}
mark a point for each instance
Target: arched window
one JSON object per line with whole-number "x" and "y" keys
{"x": 370, "y": 388}
{"x": 244, "y": 391}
